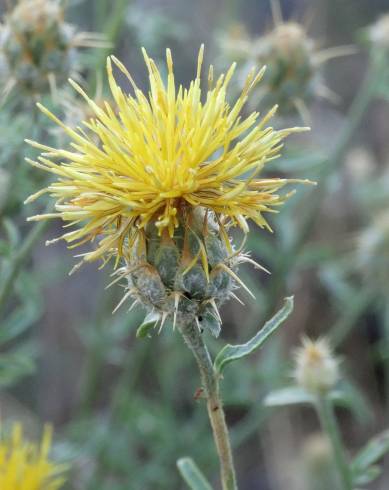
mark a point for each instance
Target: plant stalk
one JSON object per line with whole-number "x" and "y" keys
{"x": 17, "y": 261}
{"x": 210, "y": 382}
{"x": 329, "y": 424}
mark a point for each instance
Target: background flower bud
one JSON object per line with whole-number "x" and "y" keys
{"x": 316, "y": 369}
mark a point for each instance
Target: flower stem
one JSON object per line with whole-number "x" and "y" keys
{"x": 210, "y": 382}
{"x": 330, "y": 427}
{"x": 13, "y": 268}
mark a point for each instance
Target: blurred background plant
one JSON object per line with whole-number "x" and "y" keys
{"x": 122, "y": 408}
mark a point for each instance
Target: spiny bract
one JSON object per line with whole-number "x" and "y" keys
{"x": 25, "y": 466}
{"x": 170, "y": 173}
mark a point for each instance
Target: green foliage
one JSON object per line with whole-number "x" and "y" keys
{"x": 192, "y": 475}
{"x": 364, "y": 466}
{"x": 231, "y": 353}
{"x": 120, "y": 404}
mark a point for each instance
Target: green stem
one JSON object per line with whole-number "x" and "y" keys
{"x": 17, "y": 261}
{"x": 112, "y": 29}
{"x": 210, "y": 382}
{"x": 329, "y": 424}
{"x": 386, "y": 341}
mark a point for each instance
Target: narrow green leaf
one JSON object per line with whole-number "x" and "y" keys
{"x": 192, "y": 475}
{"x": 231, "y": 353}
{"x": 292, "y": 395}
{"x": 369, "y": 475}
{"x": 147, "y": 325}
{"x": 374, "y": 450}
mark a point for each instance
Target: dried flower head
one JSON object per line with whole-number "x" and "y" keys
{"x": 25, "y": 465}
{"x": 316, "y": 369}
{"x": 39, "y": 48}
{"x": 171, "y": 172}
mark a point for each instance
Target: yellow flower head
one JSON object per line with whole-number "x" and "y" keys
{"x": 159, "y": 155}
{"x": 25, "y": 466}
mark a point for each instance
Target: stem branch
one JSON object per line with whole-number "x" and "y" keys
{"x": 330, "y": 427}
{"x": 210, "y": 382}
{"x": 17, "y": 261}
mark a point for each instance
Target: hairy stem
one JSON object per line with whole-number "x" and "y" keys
{"x": 210, "y": 382}
{"x": 329, "y": 424}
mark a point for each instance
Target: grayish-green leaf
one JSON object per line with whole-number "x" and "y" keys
{"x": 231, "y": 353}
{"x": 192, "y": 475}
{"x": 369, "y": 475}
{"x": 374, "y": 450}
{"x": 148, "y": 324}
{"x": 292, "y": 395}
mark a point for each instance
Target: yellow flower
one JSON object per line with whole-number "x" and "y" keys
{"x": 160, "y": 154}
{"x": 25, "y": 466}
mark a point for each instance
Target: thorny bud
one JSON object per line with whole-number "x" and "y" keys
{"x": 293, "y": 61}
{"x": 186, "y": 277}
{"x": 39, "y": 48}
{"x": 316, "y": 369}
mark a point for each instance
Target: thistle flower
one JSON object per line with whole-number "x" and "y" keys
{"x": 316, "y": 369}
{"x": 39, "y": 48}
{"x": 25, "y": 465}
{"x": 172, "y": 172}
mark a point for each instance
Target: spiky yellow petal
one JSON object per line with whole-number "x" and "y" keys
{"x": 25, "y": 465}
{"x": 159, "y": 153}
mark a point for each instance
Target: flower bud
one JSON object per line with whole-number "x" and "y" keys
{"x": 316, "y": 370}
{"x": 39, "y": 48}
{"x": 184, "y": 278}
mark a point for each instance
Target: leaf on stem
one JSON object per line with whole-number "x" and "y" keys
{"x": 231, "y": 353}
{"x": 192, "y": 475}
{"x": 292, "y": 395}
{"x": 148, "y": 324}
{"x": 363, "y": 467}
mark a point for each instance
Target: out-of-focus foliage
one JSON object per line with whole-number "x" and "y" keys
{"x": 126, "y": 409}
